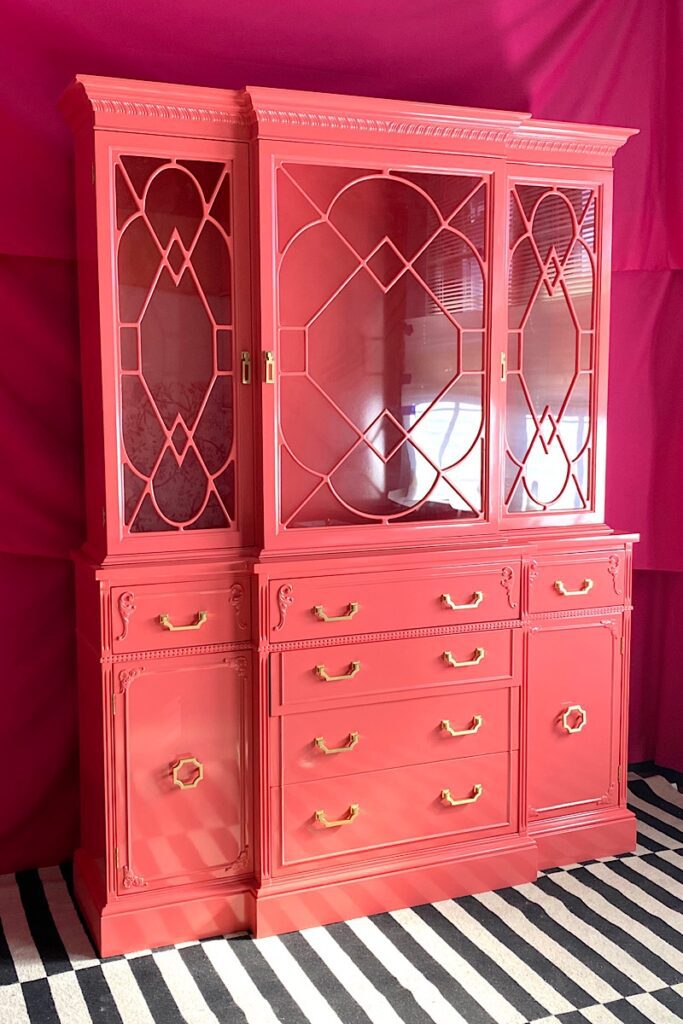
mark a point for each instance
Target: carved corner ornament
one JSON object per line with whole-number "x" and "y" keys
{"x": 507, "y": 579}
{"x": 131, "y": 880}
{"x": 236, "y": 599}
{"x": 533, "y": 571}
{"x": 239, "y": 665}
{"x": 285, "y": 599}
{"x": 126, "y": 605}
{"x": 127, "y": 676}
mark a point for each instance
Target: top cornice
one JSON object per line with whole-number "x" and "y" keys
{"x": 281, "y": 114}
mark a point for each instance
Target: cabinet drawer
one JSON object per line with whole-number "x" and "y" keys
{"x": 356, "y": 672}
{"x": 591, "y": 581}
{"x": 346, "y": 741}
{"x": 158, "y": 615}
{"x": 320, "y": 607}
{"x": 368, "y": 812}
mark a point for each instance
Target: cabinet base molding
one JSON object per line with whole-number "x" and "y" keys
{"x": 275, "y": 912}
{"x": 125, "y": 924}
{"x": 568, "y": 841}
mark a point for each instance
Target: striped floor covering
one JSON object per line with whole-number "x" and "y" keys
{"x": 599, "y": 942}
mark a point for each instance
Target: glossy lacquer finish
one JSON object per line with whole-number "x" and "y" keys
{"x": 180, "y": 755}
{"x": 352, "y": 634}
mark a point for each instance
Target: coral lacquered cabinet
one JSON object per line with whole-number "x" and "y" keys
{"x": 352, "y": 632}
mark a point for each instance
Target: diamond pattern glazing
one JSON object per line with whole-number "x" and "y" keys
{"x": 551, "y": 343}
{"x": 382, "y": 323}
{"x": 174, "y": 287}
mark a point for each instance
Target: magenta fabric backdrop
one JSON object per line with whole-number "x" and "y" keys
{"x": 607, "y": 61}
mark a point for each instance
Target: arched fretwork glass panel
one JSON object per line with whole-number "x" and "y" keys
{"x": 383, "y": 316}
{"x": 551, "y": 349}
{"x": 174, "y": 290}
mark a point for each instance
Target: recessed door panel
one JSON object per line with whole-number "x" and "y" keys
{"x": 181, "y": 784}
{"x": 574, "y": 708}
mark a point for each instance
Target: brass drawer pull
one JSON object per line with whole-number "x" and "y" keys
{"x": 581, "y": 592}
{"x": 245, "y": 361}
{"x": 574, "y": 709}
{"x": 477, "y": 790}
{"x": 476, "y": 725}
{"x": 477, "y": 656}
{"x": 321, "y": 614}
{"x": 165, "y": 621}
{"x": 269, "y": 367}
{"x": 322, "y": 673}
{"x": 351, "y": 816}
{"x": 180, "y": 763}
{"x": 319, "y": 742}
{"x": 474, "y": 602}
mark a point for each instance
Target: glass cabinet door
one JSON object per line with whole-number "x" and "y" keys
{"x": 551, "y": 355}
{"x": 382, "y": 292}
{"x": 178, "y": 357}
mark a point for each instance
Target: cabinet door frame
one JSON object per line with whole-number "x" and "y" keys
{"x": 108, "y": 146}
{"x": 529, "y": 174}
{"x": 613, "y": 796}
{"x": 125, "y": 678}
{"x": 270, "y": 154}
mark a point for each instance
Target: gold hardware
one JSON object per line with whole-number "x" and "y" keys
{"x": 116, "y": 857}
{"x": 476, "y": 725}
{"x": 474, "y": 602}
{"x": 269, "y": 367}
{"x": 583, "y": 589}
{"x": 321, "y": 614}
{"x": 622, "y": 644}
{"x": 354, "y": 669}
{"x": 477, "y": 790}
{"x": 352, "y": 814}
{"x": 113, "y": 703}
{"x": 246, "y": 368}
{"x": 578, "y": 710}
{"x": 165, "y": 621}
{"x": 477, "y": 656}
{"x": 180, "y": 763}
{"x": 503, "y": 366}
{"x": 319, "y": 742}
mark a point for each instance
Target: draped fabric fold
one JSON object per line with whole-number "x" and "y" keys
{"x": 604, "y": 61}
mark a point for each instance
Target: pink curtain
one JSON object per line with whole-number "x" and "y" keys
{"x": 609, "y": 61}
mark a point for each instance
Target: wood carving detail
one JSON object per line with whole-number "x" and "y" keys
{"x": 126, "y": 605}
{"x": 533, "y": 571}
{"x": 507, "y": 579}
{"x": 131, "y": 880}
{"x": 613, "y": 565}
{"x": 285, "y": 599}
{"x": 236, "y": 599}
{"x": 127, "y": 677}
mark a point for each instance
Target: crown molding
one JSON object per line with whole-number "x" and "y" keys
{"x": 283, "y": 114}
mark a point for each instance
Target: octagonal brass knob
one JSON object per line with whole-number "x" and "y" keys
{"x": 181, "y": 763}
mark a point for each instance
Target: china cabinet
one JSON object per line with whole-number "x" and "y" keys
{"x": 352, "y": 632}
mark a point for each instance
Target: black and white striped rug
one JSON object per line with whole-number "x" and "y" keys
{"x": 599, "y": 942}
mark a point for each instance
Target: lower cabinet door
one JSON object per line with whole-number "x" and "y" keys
{"x": 180, "y": 749}
{"x": 574, "y": 716}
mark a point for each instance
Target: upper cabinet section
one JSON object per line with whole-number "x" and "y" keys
{"x": 396, "y": 311}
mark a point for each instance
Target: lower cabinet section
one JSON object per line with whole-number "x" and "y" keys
{"x": 366, "y": 813}
{"x": 181, "y": 779}
{"x": 574, "y": 715}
